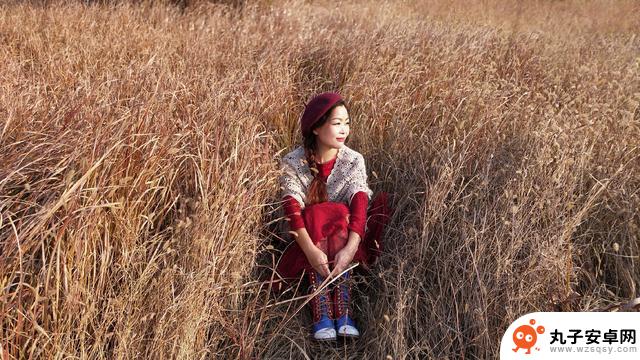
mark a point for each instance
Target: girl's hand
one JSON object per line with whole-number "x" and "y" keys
{"x": 318, "y": 260}
{"x": 343, "y": 259}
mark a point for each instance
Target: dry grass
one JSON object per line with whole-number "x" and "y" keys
{"x": 139, "y": 145}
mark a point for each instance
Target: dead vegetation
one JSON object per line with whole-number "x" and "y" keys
{"x": 138, "y": 169}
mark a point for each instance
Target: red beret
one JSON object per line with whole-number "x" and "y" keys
{"x": 317, "y": 107}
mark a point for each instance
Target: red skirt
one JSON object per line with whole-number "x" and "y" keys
{"x": 327, "y": 225}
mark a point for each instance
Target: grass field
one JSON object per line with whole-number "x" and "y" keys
{"x": 139, "y": 151}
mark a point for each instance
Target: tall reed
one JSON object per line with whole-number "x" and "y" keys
{"x": 139, "y": 151}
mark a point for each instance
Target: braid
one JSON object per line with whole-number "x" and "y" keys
{"x": 311, "y": 160}
{"x": 317, "y": 189}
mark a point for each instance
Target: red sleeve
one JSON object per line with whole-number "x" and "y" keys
{"x": 358, "y": 217}
{"x": 293, "y": 212}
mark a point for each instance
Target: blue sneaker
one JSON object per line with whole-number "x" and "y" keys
{"x": 345, "y": 325}
{"x": 322, "y": 309}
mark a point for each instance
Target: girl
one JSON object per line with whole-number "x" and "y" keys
{"x": 326, "y": 198}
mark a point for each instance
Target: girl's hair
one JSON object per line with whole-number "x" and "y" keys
{"x": 317, "y": 189}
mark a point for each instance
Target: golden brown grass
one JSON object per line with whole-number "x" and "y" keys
{"x": 138, "y": 167}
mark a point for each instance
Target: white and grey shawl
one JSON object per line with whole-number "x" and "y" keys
{"x": 349, "y": 175}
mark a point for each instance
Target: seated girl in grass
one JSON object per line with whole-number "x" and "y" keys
{"x": 326, "y": 202}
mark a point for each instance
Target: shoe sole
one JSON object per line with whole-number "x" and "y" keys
{"x": 325, "y": 340}
{"x": 347, "y": 336}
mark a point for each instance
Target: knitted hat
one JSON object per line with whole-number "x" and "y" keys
{"x": 317, "y": 107}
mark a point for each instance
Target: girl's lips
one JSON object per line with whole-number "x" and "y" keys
{"x": 340, "y": 139}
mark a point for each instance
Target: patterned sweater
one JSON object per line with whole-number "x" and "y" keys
{"x": 358, "y": 206}
{"x": 348, "y": 177}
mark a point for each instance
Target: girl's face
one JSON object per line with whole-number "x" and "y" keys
{"x": 335, "y": 130}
